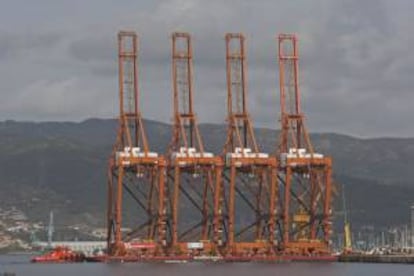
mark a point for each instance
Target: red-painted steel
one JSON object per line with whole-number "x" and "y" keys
{"x": 133, "y": 169}
{"x": 250, "y": 175}
{"x": 193, "y": 173}
{"x": 306, "y": 175}
{"x": 192, "y": 205}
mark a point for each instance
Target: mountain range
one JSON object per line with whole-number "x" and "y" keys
{"x": 61, "y": 166}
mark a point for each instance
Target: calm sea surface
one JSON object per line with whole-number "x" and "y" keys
{"x": 20, "y": 266}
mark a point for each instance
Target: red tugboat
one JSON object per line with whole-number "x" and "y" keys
{"x": 59, "y": 254}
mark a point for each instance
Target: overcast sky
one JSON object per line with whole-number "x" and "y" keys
{"x": 58, "y": 59}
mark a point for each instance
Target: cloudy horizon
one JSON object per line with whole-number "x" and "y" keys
{"x": 59, "y": 59}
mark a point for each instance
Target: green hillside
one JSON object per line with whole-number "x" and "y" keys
{"x": 62, "y": 166}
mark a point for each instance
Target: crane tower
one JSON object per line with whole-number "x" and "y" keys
{"x": 250, "y": 188}
{"x": 306, "y": 175}
{"x": 133, "y": 169}
{"x": 193, "y": 173}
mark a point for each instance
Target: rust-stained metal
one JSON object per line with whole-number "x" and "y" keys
{"x": 251, "y": 186}
{"x": 133, "y": 169}
{"x": 306, "y": 175}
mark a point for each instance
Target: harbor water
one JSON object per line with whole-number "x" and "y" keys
{"x": 20, "y": 265}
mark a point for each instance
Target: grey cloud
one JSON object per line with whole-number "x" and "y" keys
{"x": 356, "y": 62}
{"x": 15, "y": 45}
{"x": 94, "y": 48}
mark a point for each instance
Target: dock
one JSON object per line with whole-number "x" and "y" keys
{"x": 394, "y": 259}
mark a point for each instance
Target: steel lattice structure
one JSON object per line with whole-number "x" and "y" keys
{"x": 133, "y": 169}
{"x": 250, "y": 175}
{"x": 241, "y": 205}
{"x": 193, "y": 173}
{"x": 306, "y": 175}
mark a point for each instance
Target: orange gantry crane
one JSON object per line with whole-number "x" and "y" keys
{"x": 133, "y": 169}
{"x": 241, "y": 205}
{"x": 305, "y": 174}
{"x": 193, "y": 173}
{"x": 246, "y": 212}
